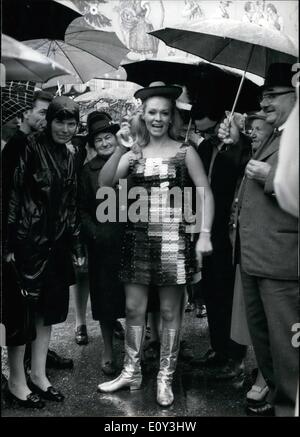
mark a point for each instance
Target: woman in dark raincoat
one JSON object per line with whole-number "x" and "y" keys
{"x": 43, "y": 231}
{"x": 103, "y": 240}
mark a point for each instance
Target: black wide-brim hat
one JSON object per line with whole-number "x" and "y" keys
{"x": 101, "y": 122}
{"x": 279, "y": 74}
{"x": 158, "y": 89}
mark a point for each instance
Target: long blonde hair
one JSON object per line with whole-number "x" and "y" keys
{"x": 140, "y": 132}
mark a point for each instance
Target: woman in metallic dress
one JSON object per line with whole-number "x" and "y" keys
{"x": 158, "y": 250}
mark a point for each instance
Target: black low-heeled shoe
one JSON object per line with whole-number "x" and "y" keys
{"x": 32, "y": 400}
{"x": 51, "y": 394}
{"x": 54, "y": 361}
{"x": 108, "y": 368}
{"x": 81, "y": 336}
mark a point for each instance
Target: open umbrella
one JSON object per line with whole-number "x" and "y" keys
{"x": 82, "y": 65}
{"x": 23, "y": 63}
{"x": 29, "y": 19}
{"x": 104, "y": 45}
{"x": 231, "y": 42}
{"x": 88, "y": 53}
{"x": 111, "y": 93}
{"x": 237, "y": 44}
{"x": 197, "y": 78}
{"x": 16, "y": 97}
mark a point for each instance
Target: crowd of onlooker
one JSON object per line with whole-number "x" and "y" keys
{"x": 239, "y": 269}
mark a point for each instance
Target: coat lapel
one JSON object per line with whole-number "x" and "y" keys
{"x": 271, "y": 146}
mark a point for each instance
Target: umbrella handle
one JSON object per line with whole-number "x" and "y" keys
{"x": 241, "y": 84}
{"x": 58, "y": 88}
{"x": 188, "y": 130}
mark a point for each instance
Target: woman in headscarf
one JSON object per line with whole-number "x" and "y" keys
{"x": 43, "y": 230}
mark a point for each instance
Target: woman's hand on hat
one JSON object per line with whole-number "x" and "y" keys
{"x": 124, "y": 137}
{"x": 229, "y": 130}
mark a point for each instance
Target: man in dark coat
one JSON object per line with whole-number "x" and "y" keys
{"x": 268, "y": 250}
{"x": 224, "y": 167}
{"x": 19, "y": 98}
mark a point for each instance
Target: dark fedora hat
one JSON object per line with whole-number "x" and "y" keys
{"x": 256, "y": 115}
{"x": 158, "y": 89}
{"x": 100, "y": 122}
{"x": 279, "y": 74}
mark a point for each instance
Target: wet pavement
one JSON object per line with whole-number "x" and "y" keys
{"x": 197, "y": 394}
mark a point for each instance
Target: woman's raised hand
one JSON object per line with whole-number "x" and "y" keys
{"x": 124, "y": 136}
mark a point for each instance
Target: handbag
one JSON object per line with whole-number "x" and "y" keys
{"x": 30, "y": 294}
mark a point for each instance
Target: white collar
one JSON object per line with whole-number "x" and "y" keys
{"x": 280, "y": 128}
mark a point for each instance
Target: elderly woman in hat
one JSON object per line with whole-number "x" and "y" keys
{"x": 103, "y": 239}
{"x": 43, "y": 231}
{"x": 157, "y": 249}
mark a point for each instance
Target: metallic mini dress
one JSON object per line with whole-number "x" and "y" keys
{"x": 157, "y": 249}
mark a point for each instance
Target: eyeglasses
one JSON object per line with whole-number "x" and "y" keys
{"x": 209, "y": 131}
{"x": 272, "y": 96}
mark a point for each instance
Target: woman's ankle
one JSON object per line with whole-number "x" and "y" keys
{"x": 20, "y": 389}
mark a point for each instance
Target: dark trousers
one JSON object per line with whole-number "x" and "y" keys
{"x": 272, "y": 308}
{"x": 217, "y": 290}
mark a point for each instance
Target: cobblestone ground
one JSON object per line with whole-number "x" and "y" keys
{"x": 196, "y": 394}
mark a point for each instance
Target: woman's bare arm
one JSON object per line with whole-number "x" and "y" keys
{"x": 205, "y": 216}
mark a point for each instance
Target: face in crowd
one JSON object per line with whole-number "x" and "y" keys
{"x": 157, "y": 115}
{"x": 207, "y": 129}
{"x": 10, "y": 128}
{"x": 36, "y": 116}
{"x": 260, "y": 131}
{"x": 105, "y": 144}
{"x": 277, "y": 103}
{"x": 62, "y": 131}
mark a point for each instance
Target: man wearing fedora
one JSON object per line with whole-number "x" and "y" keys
{"x": 266, "y": 247}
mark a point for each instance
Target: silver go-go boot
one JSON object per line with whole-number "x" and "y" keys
{"x": 131, "y": 375}
{"x": 169, "y": 349}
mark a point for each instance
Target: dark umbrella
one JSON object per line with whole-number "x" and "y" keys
{"x": 202, "y": 78}
{"x": 33, "y": 19}
{"x": 245, "y": 46}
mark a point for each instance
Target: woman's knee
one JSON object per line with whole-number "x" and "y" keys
{"x": 133, "y": 310}
{"x": 169, "y": 313}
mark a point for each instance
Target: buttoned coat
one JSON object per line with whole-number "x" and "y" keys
{"x": 268, "y": 235}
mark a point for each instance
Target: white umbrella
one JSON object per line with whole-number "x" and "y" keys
{"x": 24, "y": 63}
